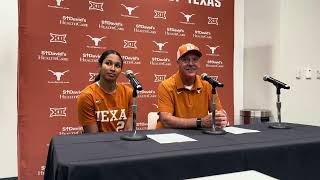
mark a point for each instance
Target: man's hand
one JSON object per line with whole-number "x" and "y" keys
{"x": 221, "y": 119}
{"x": 206, "y": 122}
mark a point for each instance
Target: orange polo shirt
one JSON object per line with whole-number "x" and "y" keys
{"x": 174, "y": 98}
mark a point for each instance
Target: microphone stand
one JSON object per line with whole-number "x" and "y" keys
{"x": 134, "y": 136}
{"x": 214, "y": 130}
{"x": 279, "y": 125}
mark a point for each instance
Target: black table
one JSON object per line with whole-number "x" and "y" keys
{"x": 283, "y": 154}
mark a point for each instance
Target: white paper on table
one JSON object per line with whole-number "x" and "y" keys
{"x": 236, "y": 130}
{"x": 169, "y": 138}
{"x": 242, "y": 175}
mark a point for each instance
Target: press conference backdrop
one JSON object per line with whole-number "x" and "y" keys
{"x": 60, "y": 42}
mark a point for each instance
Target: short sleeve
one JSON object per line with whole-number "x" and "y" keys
{"x": 86, "y": 109}
{"x": 165, "y": 99}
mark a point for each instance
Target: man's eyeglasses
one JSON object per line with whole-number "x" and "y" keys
{"x": 189, "y": 58}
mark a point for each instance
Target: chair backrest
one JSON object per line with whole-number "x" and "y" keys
{"x": 152, "y": 120}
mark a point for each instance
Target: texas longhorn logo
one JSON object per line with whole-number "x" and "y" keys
{"x": 160, "y": 46}
{"x": 58, "y": 74}
{"x": 130, "y": 10}
{"x": 95, "y": 6}
{"x": 59, "y": 2}
{"x": 58, "y": 38}
{"x": 213, "y": 50}
{"x": 96, "y": 40}
{"x": 188, "y": 17}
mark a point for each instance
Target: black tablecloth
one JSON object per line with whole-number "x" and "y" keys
{"x": 284, "y": 154}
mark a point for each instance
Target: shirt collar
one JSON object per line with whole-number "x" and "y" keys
{"x": 179, "y": 84}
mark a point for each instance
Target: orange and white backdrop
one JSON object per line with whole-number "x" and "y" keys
{"x": 60, "y": 42}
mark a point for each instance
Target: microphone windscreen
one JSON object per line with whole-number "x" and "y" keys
{"x": 129, "y": 72}
{"x": 203, "y": 75}
{"x": 266, "y": 77}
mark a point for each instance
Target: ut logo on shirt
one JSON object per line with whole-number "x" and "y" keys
{"x": 111, "y": 115}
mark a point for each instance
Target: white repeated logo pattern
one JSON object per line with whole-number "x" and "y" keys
{"x": 130, "y": 44}
{"x": 58, "y": 112}
{"x": 59, "y": 2}
{"x": 213, "y": 49}
{"x": 160, "y": 46}
{"x": 96, "y": 40}
{"x": 95, "y": 6}
{"x": 130, "y": 11}
{"x": 159, "y": 77}
{"x": 188, "y": 17}
{"x": 159, "y": 14}
{"x": 58, "y": 74}
{"x": 58, "y": 38}
{"x": 92, "y": 76}
{"x": 212, "y": 20}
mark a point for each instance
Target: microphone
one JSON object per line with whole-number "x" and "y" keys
{"x": 133, "y": 81}
{"x": 204, "y": 76}
{"x": 276, "y": 82}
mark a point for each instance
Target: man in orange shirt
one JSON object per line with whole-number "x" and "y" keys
{"x": 184, "y": 99}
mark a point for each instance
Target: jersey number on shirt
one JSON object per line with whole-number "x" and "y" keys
{"x": 120, "y": 125}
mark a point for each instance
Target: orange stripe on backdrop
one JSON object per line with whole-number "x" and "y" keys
{"x": 60, "y": 42}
